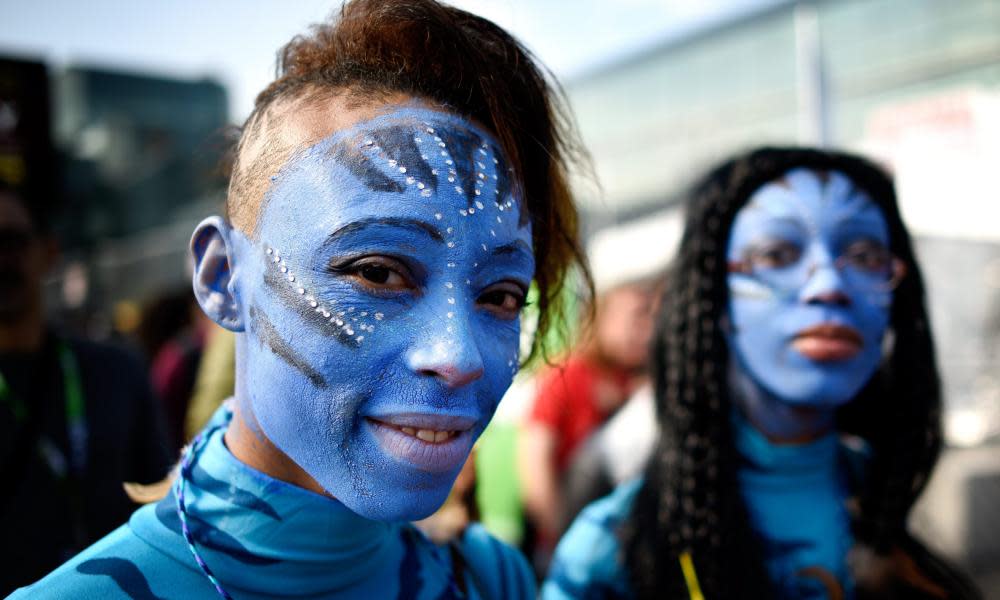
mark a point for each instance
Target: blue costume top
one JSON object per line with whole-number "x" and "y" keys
{"x": 795, "y": 495}
{"x": 588, "y": 560}
{"x": 264, "y": 538}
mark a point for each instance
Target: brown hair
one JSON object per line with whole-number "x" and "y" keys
{"x": 378, "y": 48}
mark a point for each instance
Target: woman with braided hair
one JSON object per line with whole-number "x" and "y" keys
{"x": 396, "y": 191}
{"x": 797, "y": 396}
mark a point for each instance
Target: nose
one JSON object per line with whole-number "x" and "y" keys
{"x": 825, "y": 284}
{"x": 446, "y": 349}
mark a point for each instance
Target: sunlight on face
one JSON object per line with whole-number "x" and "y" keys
{"x": 383, "y": 297}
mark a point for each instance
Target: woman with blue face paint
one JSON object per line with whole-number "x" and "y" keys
{"x": 395, "y": 192}
{"x": 797, "y": 397}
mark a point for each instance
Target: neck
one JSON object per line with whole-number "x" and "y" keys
{"x": 23, "y": 334}
{"x": 250, "y": 446}
{"x": 779, "y": 421}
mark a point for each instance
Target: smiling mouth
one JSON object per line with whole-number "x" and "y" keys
{"x": 431, "y": 436}
{"x": 432, "y": 443}
{"x": 828, "y": 342}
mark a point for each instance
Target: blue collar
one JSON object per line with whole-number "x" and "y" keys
{"x": 242, "y": 519}
{"x": 816, "y": 458}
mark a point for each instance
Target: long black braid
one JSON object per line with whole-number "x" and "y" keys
{"x": 690, "y": 501}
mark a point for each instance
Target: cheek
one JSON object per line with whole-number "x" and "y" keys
{"x": 758, "y": 317}
{"x": 500, "y": 349}
{"x": 872, "y": 313}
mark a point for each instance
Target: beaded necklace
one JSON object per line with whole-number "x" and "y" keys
{"x": 187, "y": 463}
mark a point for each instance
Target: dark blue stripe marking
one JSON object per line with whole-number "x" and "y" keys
{"x": 501, "y": 565}
{"x": 207, "y": 535}
{"x": 230, "y": 493}
{"x": 410, "y": 580}
{"x": 124, "y": 573}
{"x": 396, "y": 143}
{"x": 260, "y": 324}
{"x": 352, "y": 156}
{"x": 449, "y": 593}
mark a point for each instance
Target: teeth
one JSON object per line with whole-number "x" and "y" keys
{"x": 428, "y": 435}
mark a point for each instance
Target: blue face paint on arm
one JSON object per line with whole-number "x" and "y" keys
{"x": 385, "y": 282}
{"x": 807, "y": 313}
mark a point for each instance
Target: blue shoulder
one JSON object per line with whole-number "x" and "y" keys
{"x": 496, "y": 569}
{"x": 120, "y": 565}
{"x": 588, "y": 562}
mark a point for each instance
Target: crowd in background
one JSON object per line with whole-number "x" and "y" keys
{"x": 90, "y": 429}
{"x": 83, "y": 418}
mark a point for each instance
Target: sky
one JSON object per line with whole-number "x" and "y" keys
{"x": 234, "y": 41}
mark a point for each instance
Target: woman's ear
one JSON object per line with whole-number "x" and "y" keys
{"x": 213, "y": 281}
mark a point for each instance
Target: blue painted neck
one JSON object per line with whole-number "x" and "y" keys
{"x": 779, "y": 421}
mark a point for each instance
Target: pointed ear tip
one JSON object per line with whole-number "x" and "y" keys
{"x": 209, "y": 224}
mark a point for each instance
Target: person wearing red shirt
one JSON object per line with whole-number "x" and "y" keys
{"x": 576, "y": 396}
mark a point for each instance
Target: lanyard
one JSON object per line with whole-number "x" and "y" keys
{"x": 76, "y": 422}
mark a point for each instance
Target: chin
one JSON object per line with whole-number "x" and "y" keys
{"x": 815, "y": 390}
{"x": 398, "y": 505}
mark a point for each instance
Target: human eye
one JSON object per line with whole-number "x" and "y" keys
{"x": 774, "y": 254}
{"x": 504, "y": 299}
{"x": 867, "y": 255}
{"x": 376, "y": 273}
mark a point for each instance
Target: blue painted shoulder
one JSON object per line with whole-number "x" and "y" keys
{"x": 587, "y": 562}
{"x": 495, "y": 569}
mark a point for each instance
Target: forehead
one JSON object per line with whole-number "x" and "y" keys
{"x": 407, "y": 160}
{"x": 817, "y": 199}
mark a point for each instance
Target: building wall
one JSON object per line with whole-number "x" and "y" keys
{"x": 653, "y": 121}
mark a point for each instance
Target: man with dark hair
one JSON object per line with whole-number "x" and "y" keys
{"x": 77, "y": 419}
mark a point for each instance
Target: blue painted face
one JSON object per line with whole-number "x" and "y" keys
{"x": 382, "y": 297}
{"x": 809, "y": 288}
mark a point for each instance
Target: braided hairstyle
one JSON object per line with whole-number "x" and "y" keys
{"x": 374, "y": 50}
{"x": 690, "y": 501}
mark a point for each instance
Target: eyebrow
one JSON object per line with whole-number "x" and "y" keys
{"x": 512, "y": 248}
{"x": 362, "y": 224}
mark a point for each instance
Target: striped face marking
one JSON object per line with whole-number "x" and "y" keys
{"x": 386, "y": 277}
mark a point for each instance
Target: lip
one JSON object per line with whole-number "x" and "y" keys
{"x": 431, "y": 456}
{"x": 828, "y": 342}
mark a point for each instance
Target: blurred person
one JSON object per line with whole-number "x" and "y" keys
{"x": 614, "y": 454}
{"x": 215, "y": 379}
{"x": 577, "y": 395}
{"x": 175, "y": 330}
{"x": 618, "y": 449}
{"x": 798, "y": 401}
{"x": 397, "y": 189}
{"x": 77, "y": 418}
{"x": 160, "y": 318}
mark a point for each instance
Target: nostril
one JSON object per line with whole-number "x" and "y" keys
{"x": 428, "y": 372}
{"x": 831, "y": 297}
{"x": 454, "y": 376}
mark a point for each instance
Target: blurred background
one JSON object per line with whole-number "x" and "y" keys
{"x": 122, "y": 110}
